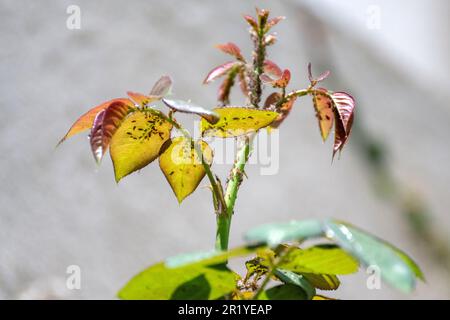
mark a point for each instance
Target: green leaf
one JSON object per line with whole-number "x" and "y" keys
{"x": 276, "y": 233}
{"x": 210, "y": 257}
{"x": 191, "y": 282}
{"x": 137, "y": 142}
{"x": 284, "y": 292}
{"x": 320, "y": 260}
{"x": 290, "y": 277}
{"x": 397, "y": 269}
{"x": 323, "y": 281}
{"x": 182, "y": 166}
{"x": 237, "y": 121}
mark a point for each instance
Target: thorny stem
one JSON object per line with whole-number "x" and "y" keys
{"x": 242, "y": 156}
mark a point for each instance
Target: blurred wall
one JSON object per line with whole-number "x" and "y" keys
{"x": 59, "y": 209}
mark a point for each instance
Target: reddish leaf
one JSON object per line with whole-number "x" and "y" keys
{"x": 324, "y": 111}
{"x": 142, "y": 100}
{"x": 320, "y": 78}
{"x": 272, "y": 100}
{"x": 272, "y": 69}
{"x": 284, "y": 111}
{"x": 344, "y": 113}
{"x": 162, "y": 87}
{"x": 274, "y": 21}
{"x": 251, "y": 21}
{"x": 284, "y": 80}
{"x": 231, "y": 49}
{"x": 223, "y": 94}
{"x": 86, "y": 121}
{"x": 220, "y": 71}
{"x": 243, "y": 82}
{"x": 105, "y": 125}
{"x": 270, "y": 39}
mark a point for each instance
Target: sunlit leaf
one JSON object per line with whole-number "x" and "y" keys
{"x": 221, "y": 70}
{"x": 231, "y": 49}
{"x": 137, "y": 142}
{"x": 187, "y": 107}
{"x": 396, "y": 267}
{"x": 182, "y": 166}
{"x": 320, "y": 260}
{"x": 191, "y": 282}
{"x": 344, "y": 106}
{"x": 323, "y": 281}
{"x": 324, "y": 112}
{"x": 161, "y": 87}
{"x": 284, "y": 292}
{"x": 142, "y": 100}
{"x": 243, "y": 82}
{"x": 237, "y": 121}
{"x": 284, "y": 111}
{"x": 274, "y": 21}
{"x": 86, "y": 121}
{"x": 272, "y": 70}
{"x": 290, "y": 277}
{"x": 276, "y": 233}
{"x": 251, "y": 21}
{"x": 105, "y": 125}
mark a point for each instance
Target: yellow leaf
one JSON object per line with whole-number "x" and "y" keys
{"x": 320, "y": 297}
{"x": 237, "y": 121}
{"x": 137, "y": 142}
{"x": 182, "y": 166}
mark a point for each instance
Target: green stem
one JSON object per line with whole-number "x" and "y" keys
{"x": 235, "y": 180}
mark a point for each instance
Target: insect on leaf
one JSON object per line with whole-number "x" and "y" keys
{"x": 182, "y": 166}
{"x": 105, "y": 125}
{"x": 231, "y": 49}
{"x": 220, "y": 71}
{"x": 86, "y": 121}
{"x": 324, "y": 112}
{"x": 187, "y": 107}
{"x": 137, "y": 142}
{"x": 237, "y": 121}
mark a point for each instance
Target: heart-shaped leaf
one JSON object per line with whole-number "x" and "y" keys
{"x": 344, "y": 112}
{"x": 86, "y": 121}
{"x": 231, "y": 49}
{"x": 182, "y": 166}
{"x": 276, "y": 233}
{"x": 191, "y": 282}
{"x": 138, "y": 141}
{"x": 105, "y": 125}
{"x": 187, "y": 107}
{"x": 320, "y": 260}
{"x": 221, "y": 70}
{"x": 237, "y": 121}
{"x": 396, "y": 267}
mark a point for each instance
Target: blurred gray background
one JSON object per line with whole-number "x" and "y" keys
{"x": 57, "y": 208}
